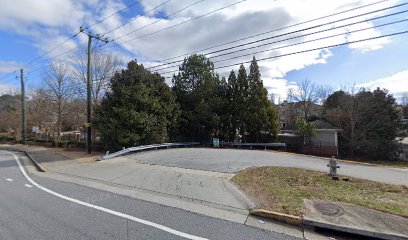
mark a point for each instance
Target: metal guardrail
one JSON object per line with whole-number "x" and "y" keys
{"x": 232, "y": 144}
{"x": 147, "y": 147}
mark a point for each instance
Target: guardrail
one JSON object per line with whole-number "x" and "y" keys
{"x": 147, "y": 147}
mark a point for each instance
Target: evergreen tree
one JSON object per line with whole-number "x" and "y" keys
{"x": 233, "y": 96}
{"x": 138, "y": 109}
{"x": 199, "y": 93}
{"x": 242, "y": 101}
{"x": 261, "y": 118}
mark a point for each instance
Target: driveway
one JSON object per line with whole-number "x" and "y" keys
{"x": 233, "y": 160}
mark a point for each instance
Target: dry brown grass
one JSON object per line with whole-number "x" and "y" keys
{"x": 283, "y": 190}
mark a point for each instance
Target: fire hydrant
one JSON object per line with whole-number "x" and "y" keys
{"x": 333, "y": 167}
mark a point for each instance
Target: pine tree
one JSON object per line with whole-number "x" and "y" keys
{"x": 233, "y": 98}
{"x": 198, "y": 91}
{"x": 242, "y": 102}
{"x": 262, "y": 118}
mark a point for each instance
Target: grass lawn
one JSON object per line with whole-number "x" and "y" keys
{"x": 283, "y": 189}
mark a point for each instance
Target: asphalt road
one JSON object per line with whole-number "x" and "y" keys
{"x": 233, "y": 160}
{"x": 33, "y": 207}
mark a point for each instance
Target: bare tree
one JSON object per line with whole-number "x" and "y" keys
{"x": 58, "y": 87}
{"x": 307, "y": 94}
{"x": 103, "y": 66}
{"x": 40, "y": 110}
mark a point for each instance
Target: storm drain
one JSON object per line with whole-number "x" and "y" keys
{"x": 329, "y": 209}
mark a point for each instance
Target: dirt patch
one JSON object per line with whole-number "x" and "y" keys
{"x": 79, "y": 156}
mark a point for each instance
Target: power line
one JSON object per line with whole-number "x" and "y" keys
{"x": 299, "y": 36}
{"x": 76, "y": 34}
{"x": 134, "y": 18}
{"x": 308, "y": 50}
{"x": 167, "y": 16}
{"x": 275, "y": 30}
{"x": 184, "y": 22}
{"x": 44, "y": 67}
{"x": 84, "y": 45}
{"x": 297, "y": 31}
{"x": 121, "y": 10}
{"x": 313, "y": 40}
{"x": 52, "y": 49}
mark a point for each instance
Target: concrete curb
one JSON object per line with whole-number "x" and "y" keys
{"x": 37, "y": 165}
{"x": 281, "y": 217}
{"x": 238, "y": 194}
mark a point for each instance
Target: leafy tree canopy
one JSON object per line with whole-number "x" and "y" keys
{"x": 138, "y": 109}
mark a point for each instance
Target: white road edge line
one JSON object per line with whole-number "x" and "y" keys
{"x": 106, "y": 210}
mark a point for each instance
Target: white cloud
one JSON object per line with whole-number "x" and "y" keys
{"x": 46, "y": 13}
{"x": 9, "y": 66}
{"x": 48, "y": 22}
{"x": 397, "y": 84}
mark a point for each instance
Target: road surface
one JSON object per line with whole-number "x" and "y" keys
{"x": 233, "y": 160}
{"x": 33, "y": 207}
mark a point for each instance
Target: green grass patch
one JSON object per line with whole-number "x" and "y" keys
{"x": 283, "y": 190}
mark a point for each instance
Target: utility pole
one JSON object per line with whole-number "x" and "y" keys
{"x": 23, "y": 110}
{"x": 89, "y": 88}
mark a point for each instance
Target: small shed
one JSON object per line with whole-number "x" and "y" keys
{"x": 326, "y": 137}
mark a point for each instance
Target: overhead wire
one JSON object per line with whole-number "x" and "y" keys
{"x": 84, "y": 45}
{"x": 287, "y": 39}
{"x": 76, "y": 34}
{"x": 277, "y": 29}
{"x": 160, "y": 19}
{"x": 308, "y": 50}
{"x": 296, "y": 31}
{"x": 121, "y": 10}
{"x": 136, "y": 17}
{"x": 184, "y": 22}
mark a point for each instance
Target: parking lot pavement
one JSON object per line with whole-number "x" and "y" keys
{"x": 233, "y": 160}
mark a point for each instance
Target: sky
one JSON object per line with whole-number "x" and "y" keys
{"x": 34, "y": 33}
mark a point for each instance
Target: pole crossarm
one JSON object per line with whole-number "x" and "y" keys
{"x": 88, "y": 124}
{"x": 96, "y": 36}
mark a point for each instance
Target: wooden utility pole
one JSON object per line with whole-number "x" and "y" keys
{"x": 23, "y": 110}
{"x": 89, "y": 88}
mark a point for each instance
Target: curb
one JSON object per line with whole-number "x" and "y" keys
{"x": 238, "y": 194}
{"x": 281, "y": 217}
{"x": 37, "y": 165}
{"x": 340, "y": 160}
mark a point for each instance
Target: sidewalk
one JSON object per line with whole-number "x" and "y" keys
{"x": 204, "y": 188}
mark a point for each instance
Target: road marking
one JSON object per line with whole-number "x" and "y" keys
{"x": 28, "y": 185}
{"x": 106, "y": 210}
{"x": 9, "y": 179}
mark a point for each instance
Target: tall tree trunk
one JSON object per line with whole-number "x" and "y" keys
{"x": 59, "y": 120}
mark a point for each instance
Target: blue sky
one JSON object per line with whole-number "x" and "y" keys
{"x": 347, "y": 67}
{"x": 30, "y": 28}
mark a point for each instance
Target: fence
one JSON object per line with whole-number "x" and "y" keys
{"x": 252, "y": 145}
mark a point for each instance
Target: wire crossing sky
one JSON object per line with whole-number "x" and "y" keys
{"x": 328, "y": 35}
